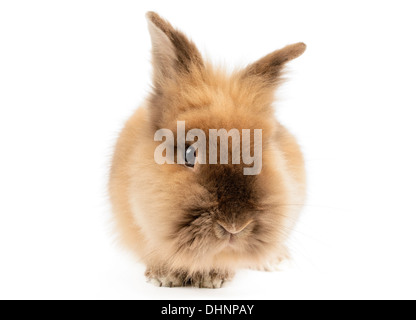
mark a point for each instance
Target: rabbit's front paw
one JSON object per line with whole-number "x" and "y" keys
{"x": 211, "y": 280}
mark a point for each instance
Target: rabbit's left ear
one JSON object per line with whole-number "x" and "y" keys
{"x": 269, "y": 68}
{"x": 172, "y": 52}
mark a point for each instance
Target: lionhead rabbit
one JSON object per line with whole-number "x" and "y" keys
{"x": 193, "y": 223}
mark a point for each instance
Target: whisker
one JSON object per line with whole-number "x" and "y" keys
{"x": 307, "y": 205}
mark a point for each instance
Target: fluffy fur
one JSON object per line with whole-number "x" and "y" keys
{"x": 175, "y": 218}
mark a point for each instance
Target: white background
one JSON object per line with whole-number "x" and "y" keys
{"x": 71, "y": 73}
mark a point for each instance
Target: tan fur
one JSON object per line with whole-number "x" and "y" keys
{"x": 171, "y": 215}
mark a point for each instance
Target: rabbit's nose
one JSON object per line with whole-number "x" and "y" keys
{"x": 233, "y": 228}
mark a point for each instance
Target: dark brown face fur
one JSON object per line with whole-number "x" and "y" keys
{"x": 233, "y": 196}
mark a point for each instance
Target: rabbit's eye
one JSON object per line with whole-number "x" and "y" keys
{"x": 190, "y": 157}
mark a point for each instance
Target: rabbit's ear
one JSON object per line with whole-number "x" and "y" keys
{"x": 172, "y": 52}
{"x": 269, "y": 68}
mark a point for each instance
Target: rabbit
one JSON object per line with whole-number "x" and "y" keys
{"x": 196, "y": 224}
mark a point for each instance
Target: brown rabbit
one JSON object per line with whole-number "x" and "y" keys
{"x": 195, "y": 224}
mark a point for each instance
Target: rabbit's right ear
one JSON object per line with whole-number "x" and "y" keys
{"x": 173, "y": 54}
